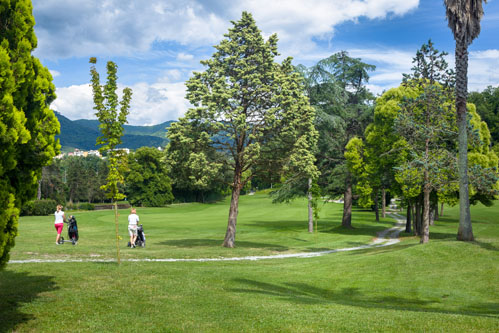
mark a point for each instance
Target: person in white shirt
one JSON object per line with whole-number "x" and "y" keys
{"x": 59, "y": 222}
{"x": 133, "y": 220}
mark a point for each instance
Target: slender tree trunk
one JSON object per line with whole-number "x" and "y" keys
{"x": 376, "y": 204}
{"x": 383, "y": 202}
{"x": 465, "y": 231}
{"x": 418, "y": 217}
{"x": 408, "y": 219}
{"x": 425, "y": 237}
{"x": 432, "y": 214}
{"x": 310, "y": 209}
{"x": 414, "y": 218}
{"x": 441, "y": 209}
{"x": 436, "y": 211}
{"x": 39, "y": 192}
{"x": 230, "y": 235}
{"x": 347, "y": 204}
{"x": 117, "y": 232}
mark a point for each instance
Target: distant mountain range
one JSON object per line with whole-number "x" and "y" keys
{"x": 82, "y": 134}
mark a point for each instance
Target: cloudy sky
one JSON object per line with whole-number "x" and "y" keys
{"x": 158, "y": 43}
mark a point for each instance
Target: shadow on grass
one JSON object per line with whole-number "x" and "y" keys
{"x": 186, "y": 243}
{"x": 288, "y": 225}
{"x": 383, "y": 249}
{"x": 486, "y": 246}
{"x": 303, "y": 293}
{"x": 16, "y": 289}
{"x": 360, "y": 229}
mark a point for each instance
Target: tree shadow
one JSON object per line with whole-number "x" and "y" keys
{"x": 302, "y": 293}
{"x": 203, "y": 242}
{"x": 382, "y": 249}
{"x": 486, "y": 246}
{"x": 442, "y": 235}
{"x": 361, "y": 229}
{"x": 16, "y": 289}
{"x": 287, "y": 225}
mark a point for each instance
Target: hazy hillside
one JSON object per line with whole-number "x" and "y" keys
{"x": 82, "y": 134}
{"x": 154, "y": 130}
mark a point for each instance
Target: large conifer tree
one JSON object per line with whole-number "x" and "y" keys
{"x": 27, "y": 125}
{"x": 251, "y": 109}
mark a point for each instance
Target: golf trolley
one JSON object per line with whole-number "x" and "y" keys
{"x": 141, "y": 237}
{"x": 72, "y": 232}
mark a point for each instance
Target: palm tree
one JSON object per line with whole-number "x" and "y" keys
{"x": 464, "y": 20}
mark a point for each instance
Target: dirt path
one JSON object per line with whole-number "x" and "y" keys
{"x": 385, "y": 238}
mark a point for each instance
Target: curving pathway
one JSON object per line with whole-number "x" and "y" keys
{"x": 385, "y": 238}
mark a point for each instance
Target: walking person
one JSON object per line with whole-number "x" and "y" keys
{"x": 60, "y": 218}
{"x": 133, "y": 221}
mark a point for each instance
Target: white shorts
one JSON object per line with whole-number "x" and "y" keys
{"x": 132, "y": 230}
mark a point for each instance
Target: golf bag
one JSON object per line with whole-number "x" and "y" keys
{"x": 141, "y": 237}
{"x": 72, "y": 231}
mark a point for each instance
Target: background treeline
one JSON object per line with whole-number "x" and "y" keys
{"x": 363, "y": 153}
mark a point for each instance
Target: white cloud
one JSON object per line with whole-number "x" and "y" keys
{"x": 184, "y": 57}
{"x": 156, "y": 103}
{"x": 54, "y": 73}
{"x": 118, "y": 27}
{"x": 74, "y": 102}
{"x": 151, "y": 103}
{"x": 483, "y": 69}
{"x": 297, "y": 22}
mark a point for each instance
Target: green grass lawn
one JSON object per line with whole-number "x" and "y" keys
{"x": 445, "y": 285}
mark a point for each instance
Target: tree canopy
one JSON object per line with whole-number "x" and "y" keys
{"x": 27, "y": 125}
{"x": 147, "y": 181}
{"x": 337, "y": 89}
{"x": 249, "y": 112}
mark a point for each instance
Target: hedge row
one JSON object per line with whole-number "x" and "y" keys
{"x": 48, "y": 207}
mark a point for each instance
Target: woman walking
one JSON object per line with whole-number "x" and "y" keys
{"x": 59, "y": 223}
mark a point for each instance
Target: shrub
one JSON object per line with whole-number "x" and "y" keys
{"x": 86, "y": 206}
{"x": 39, "y": 207}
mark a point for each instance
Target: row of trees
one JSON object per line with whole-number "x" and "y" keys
{"x": 80, "y": 179}
{"x": 405, "y": 142}
{"x": 410, "y": 148}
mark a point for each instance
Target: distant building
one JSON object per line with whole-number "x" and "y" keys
{"x": 125, "y": 150}
{"x": 80, "y": 153}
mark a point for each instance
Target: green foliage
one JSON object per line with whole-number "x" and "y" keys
{"x": 336, "y": 88}
{"x": 487, "y": 106}
{"x": 357, "y": 156}
{"x": 27, "y": 125}
{"x": 147, "y": 181}
{"x": 111, "y": 124}
{"x": 249, "y": 112}
{"x": 86, "y": 206}
{"x": 39, "y": 208}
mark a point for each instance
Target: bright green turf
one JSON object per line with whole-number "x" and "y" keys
{"x": 444, "y": 286}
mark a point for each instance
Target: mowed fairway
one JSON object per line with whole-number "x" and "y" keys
{"x": 445, "y": 285}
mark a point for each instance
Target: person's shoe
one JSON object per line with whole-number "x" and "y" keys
{"x": 56, "y": 243}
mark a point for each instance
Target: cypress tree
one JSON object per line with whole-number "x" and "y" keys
{"x": 27, "y": 125}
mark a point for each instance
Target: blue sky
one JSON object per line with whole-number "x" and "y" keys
{"x": 158, "y": 43}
